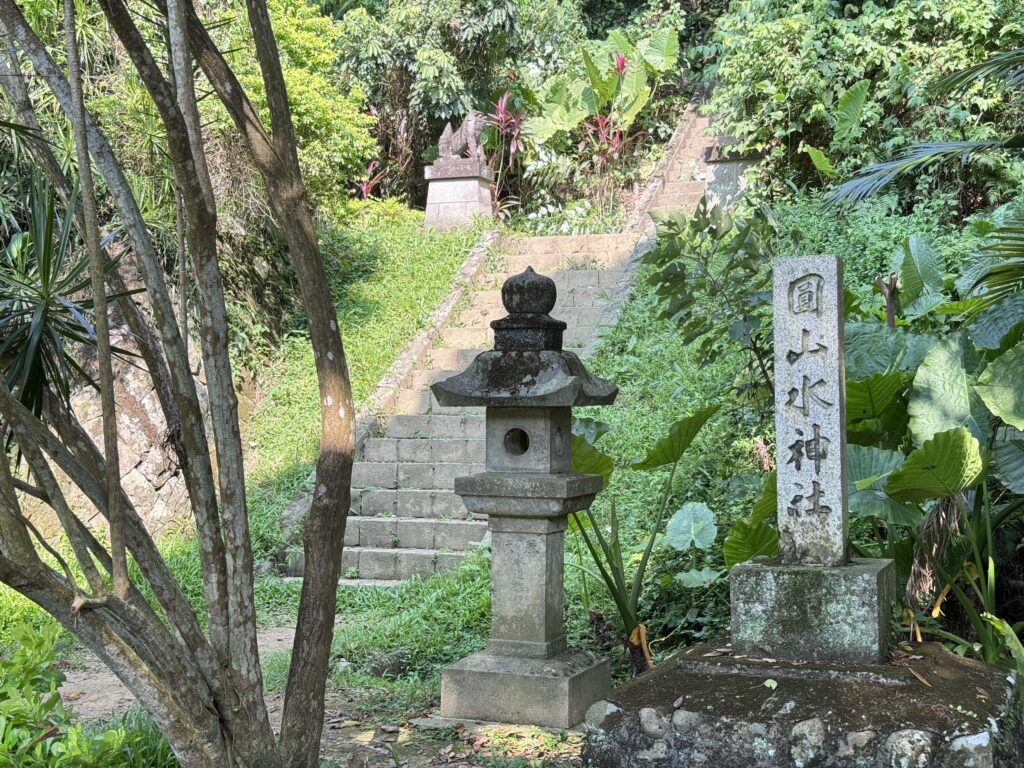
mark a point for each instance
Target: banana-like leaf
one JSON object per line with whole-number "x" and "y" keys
{"x": 867, "y": 471}
{"x": 749, "y": 540}
{"x": 1001, "y": 386}
{"x": 850, "y": 110}
{"x": 1008, "y": 458}
{"x": 695, "y": 578}
{"x": 753, "y": 536}
{"x": 632, "y": 97}
{"x": 869, "y": 398}
{"x": 945, "y": 465}
{"x": 990, "y": 327}
{"x": 944, "y": 394}
{"x": 588, "y": 460}
{"x": 670, "y": 448}
{"x": 871, "y": 348}
{"x": 693, "y": 525}
{"x": 660, "y": 51}
{"x": 589, "y": 429}
{"x": 821, "y": 162}
{"x": 920, "y": 276}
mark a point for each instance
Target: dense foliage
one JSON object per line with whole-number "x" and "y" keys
{"x": 851, "y": 80}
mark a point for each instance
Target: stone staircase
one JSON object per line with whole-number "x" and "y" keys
{"x": 406, "y": 520}
{"x": 683, "y": 181}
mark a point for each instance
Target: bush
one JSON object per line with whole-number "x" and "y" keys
{"x": 851, "y": 79}
{"x": 37, "y": 730}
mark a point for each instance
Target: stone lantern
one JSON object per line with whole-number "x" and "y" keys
{"x": 529, "y": 385}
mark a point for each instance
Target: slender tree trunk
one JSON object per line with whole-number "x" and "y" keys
{"x": 101, "y": 317}
{"x": 276, "y": 158}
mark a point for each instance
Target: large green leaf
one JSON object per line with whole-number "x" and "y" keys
{"x": 993, "y": 324}
{"x": 821, "y": 162}
{"x": 632, "y": 97}
{"x": 670, "y": 448}
{"x": 693, "y": 525}
{"x": 872, "y": 348}
{"x": 1001, "y": 386}
{"x": 850, "y": 110}
{"x": 621, "y": 43}
{"x": 920, "y": 277}
{"x": 867, "y": 471}
{"x": 945, "y": 465}
{"x": 696, "y": 578}
{"x": 944, "y": 396}
{"x": 1008, "y": 458}
{"x": 748, "y": 540}
{"x": 603, "y": 84}
{"x": 753, "y": 536}
{"x": 661, "y": 50}
{"x": 588, "y": 460}
{"x": 870, "y": 397}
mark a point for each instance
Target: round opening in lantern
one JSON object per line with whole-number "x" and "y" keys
{"x": 517, "y": 442}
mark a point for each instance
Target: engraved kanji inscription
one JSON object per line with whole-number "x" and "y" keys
{"x": 805, "y": 294}
{"x": 813, "y": 500}
{"x": 801, "y": 397}
{"x": 813, "y": 448}
{"x": 806, "y": 350}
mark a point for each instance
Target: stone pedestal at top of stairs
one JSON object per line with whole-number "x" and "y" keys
{"x": 699, "y": 709}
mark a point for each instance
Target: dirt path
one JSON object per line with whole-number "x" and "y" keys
{"x": 96, "y": 695}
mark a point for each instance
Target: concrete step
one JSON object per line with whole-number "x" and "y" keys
{"x": 422, "y": 402}
{"x": 443, "y": 427}
{"x": 574, "y": 317}
{"x": 550, "y": 262}
{"x": 413, "y": 533}
{"x": 673, "y": 188}
{"x": 424, "y": 377}
{"x": 455, "y": 450}
{"x": 675, "y": 202}
{"x": 440, "y": 505}
{"x": 566, "y": 245}
{"x": 445, "y": 358}
{"x": 408, "y": 476}
{"x": 368, "y": 563}
{"x": 565, "y": 280}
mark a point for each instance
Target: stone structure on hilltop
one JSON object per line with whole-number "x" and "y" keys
{"x": 529, "y": 385}
{"x": 459, "y": 181}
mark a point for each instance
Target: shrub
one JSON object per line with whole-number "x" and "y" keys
{"x": 851, "y": 79}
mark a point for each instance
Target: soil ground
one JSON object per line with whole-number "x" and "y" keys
{"x": 96, "y": 695}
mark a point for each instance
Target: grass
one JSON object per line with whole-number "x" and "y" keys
{"x": 387, "y": 275}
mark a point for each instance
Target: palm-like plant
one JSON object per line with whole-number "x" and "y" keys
{"x": 45, "y": 303}
{"x": 1008, "y": 67}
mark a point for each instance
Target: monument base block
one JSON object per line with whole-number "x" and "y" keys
{"x": 813, "y": 613}
{"x": 553, "y": 692}
{"x": 725, "y": 712}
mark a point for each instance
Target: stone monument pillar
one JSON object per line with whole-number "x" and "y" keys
{"x": 814, "y": 603}
{"x": 526, "y": 674}
{"x": 459, "y": 182}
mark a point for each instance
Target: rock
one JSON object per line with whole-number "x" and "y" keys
{"x": 652, "y": 723}
{"x": 975, "y": 750}
{"x": 684, "y": 721}
{"x": 808, "y": 738}
{"x": 598, "y": 712}
{"x": 389, "y": 665}
{"x": 910, "y": 749}
{"x": 855, "y": 742}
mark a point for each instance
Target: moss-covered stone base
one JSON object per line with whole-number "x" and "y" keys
{"x": 932, "y": 710}
{"x": 813, "y": 613}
